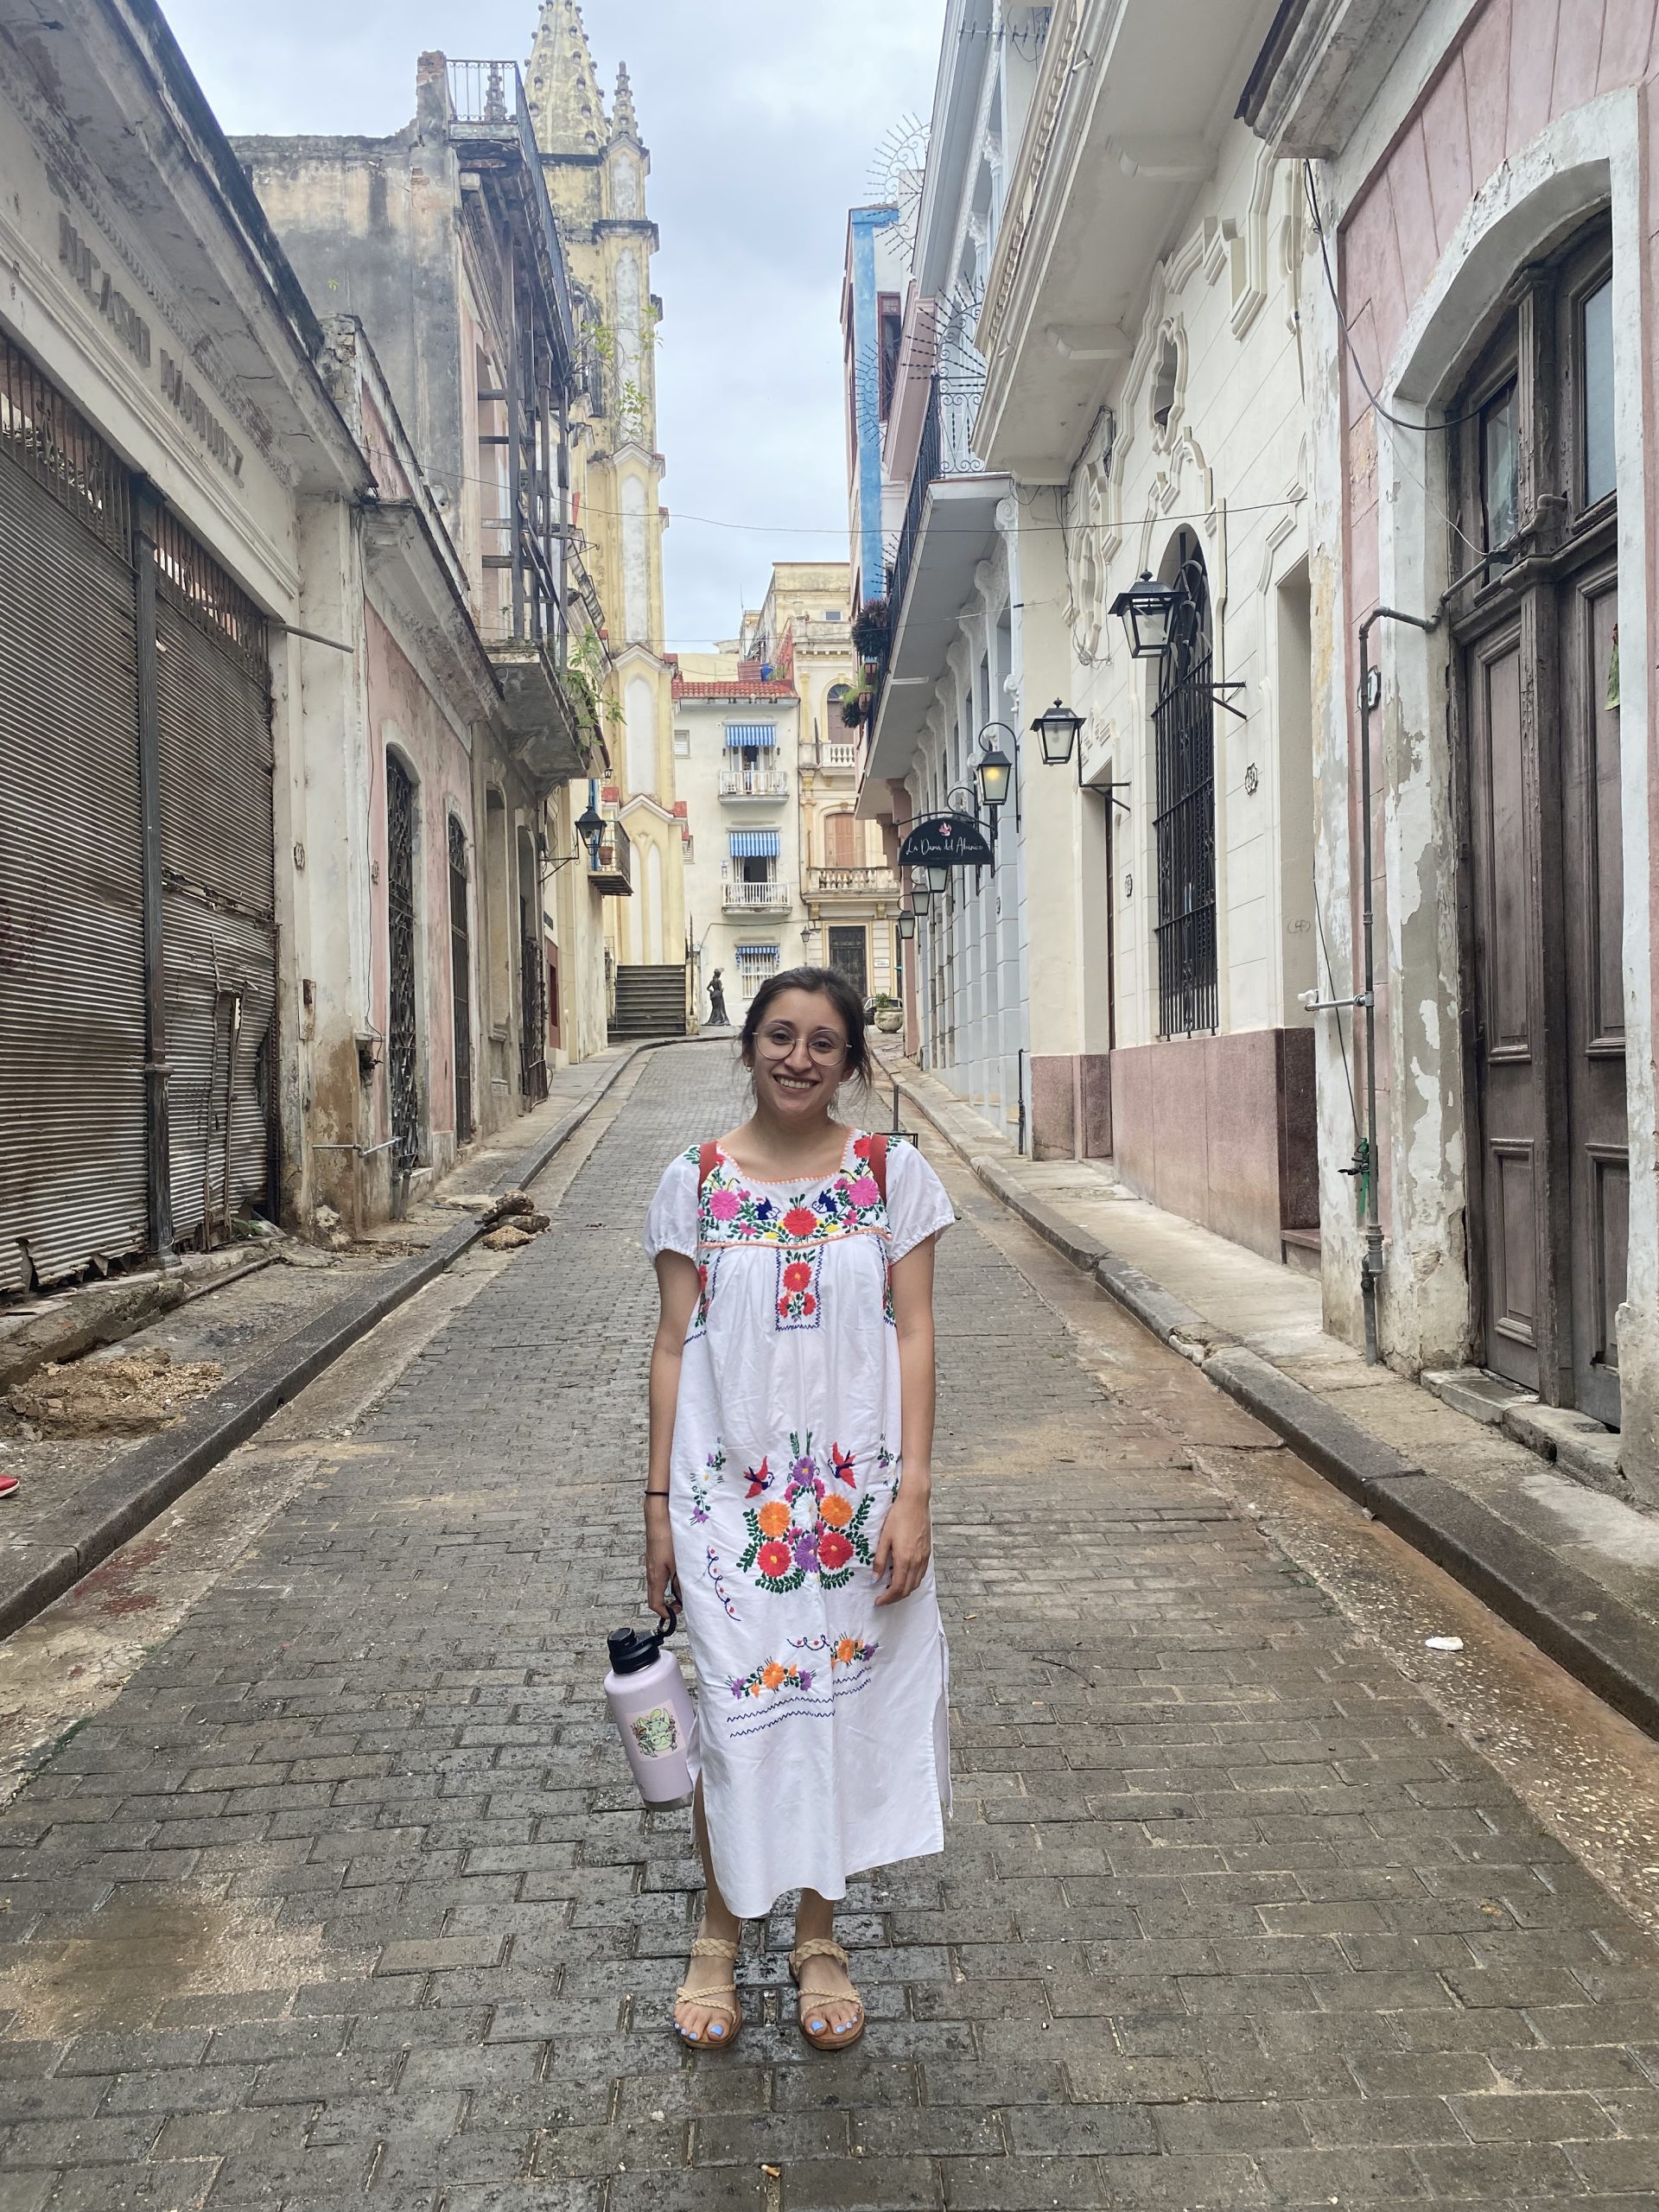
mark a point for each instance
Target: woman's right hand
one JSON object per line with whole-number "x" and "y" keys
{"x": 660, "y": 1557}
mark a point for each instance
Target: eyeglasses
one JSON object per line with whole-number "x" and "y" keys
{"x": 778, "y": 1043}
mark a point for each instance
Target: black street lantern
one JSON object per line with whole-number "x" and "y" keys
{"x": 1058, "y": 729}
{"x": 937, "y": 877}
{"x": 921, "y": 896}
{"x": 905, "y": 924}
{"x": 993, "y": 773}
{"x": 1145, "y": 610}
{"x": 590, "y": 828}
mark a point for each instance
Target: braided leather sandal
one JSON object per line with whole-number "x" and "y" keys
{"x": 711, "y": 2001}
{"x": 825, "y": 2038}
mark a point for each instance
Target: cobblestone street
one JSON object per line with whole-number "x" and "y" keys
{"x": 347, "y": 1895}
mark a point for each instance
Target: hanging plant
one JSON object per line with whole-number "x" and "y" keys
{"x": 871, "y": 625}
{"x": 856, "y": 707}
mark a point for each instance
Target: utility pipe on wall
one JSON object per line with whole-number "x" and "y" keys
{"x": 1370, "y": 1265}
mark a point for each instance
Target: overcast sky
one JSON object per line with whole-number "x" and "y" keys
{"x": 765, "y": 121}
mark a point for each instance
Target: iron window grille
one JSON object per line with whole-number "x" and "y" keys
{"x": 1184, "y": 825}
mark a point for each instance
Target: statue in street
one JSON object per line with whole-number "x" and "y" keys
{"x": 718, "y": 1017}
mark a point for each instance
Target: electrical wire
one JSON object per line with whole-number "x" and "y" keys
{"x": 1399, "y": 421}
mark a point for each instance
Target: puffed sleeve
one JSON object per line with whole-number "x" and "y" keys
{"x": 917, "y": 1205}
{"x": 672, "y": 1224}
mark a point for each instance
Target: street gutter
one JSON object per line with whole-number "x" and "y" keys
{"x": 1577, "y": 1621}
{"x": 141, "y": 1485}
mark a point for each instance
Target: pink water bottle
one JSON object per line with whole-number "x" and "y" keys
{"x": 653, "y": 1712}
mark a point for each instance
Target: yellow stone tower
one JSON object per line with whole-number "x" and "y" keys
{"x": 596, "y": 168}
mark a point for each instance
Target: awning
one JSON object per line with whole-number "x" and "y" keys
{"x": 742, "y": 948}
{"x": 740, "y": 735}
{"x": 752, "y": 844}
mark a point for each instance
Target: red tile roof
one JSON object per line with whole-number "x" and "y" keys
{"x": 730, "y": 687}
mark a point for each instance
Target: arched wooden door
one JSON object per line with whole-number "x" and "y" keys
{"x": 1537, "y": 623}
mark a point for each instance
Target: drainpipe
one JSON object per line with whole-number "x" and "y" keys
{"x": 1370, "y": 1265}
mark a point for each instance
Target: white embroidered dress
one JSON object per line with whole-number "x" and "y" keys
{"x": 820, "y": 1718}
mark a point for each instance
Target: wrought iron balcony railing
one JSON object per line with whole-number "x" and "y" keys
{"x": 489, "y": 97}
{"x": 929, "y": 461}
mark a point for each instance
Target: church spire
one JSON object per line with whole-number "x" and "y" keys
{"x": 624, "y": 121}
{"x": 565, "y": 101}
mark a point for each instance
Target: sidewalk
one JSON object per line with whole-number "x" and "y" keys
{"x": 1575, "y": 1569}
{"x": 272, "y": 1328}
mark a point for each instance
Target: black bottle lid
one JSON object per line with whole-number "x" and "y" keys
{"x": 633, "y": 1650}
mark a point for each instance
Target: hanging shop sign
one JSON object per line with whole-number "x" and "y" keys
{"x": 946, "y": 841}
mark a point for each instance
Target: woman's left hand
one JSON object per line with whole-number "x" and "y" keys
{"x": 906, "y": 1544}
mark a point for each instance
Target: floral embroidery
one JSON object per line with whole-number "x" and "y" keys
{"x": 712, "y": 1467}
{"x": 846, "y": 1202}
{"x": 707, "y": 1270}
{"x": 811, "y": 1531}
{"x": 844, "y": 1651}
{"x": 774, "y": 1675}
{"x": 711, "y": 1569}
{"x": 799, "y": 1304}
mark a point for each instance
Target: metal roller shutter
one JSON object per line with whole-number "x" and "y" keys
{"x": 218, "y": 930}
{"x": 72, "y": 957}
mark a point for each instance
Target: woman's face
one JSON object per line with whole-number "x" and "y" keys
{"x": 800, "y": 1055}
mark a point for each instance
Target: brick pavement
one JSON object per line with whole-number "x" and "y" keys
{"x": 347, "y": 1898}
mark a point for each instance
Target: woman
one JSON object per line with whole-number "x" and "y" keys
{"x": 792, "y": 1382}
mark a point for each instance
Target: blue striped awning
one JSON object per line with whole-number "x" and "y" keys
{"x": 753, "y": 844}
{"x": 738, "y": 734}
{"x": 761, "y": 949}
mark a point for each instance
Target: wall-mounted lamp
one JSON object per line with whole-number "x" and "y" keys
{"x": 906, "y": 925}
{"x": 994, "y": 771}
{"x": 1056, "y": 730}
{"x": 590, "y": 828}
{"x": 921, "y": 896}
{"x": 1146, "y": 610}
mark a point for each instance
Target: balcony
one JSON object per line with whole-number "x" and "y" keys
{"x": 753, "y": 783}
{"x": 851, "y": 883}
{"x": 755, "y": 897}
{"x": 546, "y": 734}
{"x": 950, "y": 527}
{"x": 492, "y": 132}
{"x": 610, "y": 867}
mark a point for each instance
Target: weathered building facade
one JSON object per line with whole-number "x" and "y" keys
{"x": 1478, "y": 289}
{"x": 169, "y": 457}
{"x": 1144, "y": 395}
{"x": 486, "y": 963}
{"x": 597, "y": 166}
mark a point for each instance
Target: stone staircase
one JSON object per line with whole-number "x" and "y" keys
{"x": 650, "y": 1003}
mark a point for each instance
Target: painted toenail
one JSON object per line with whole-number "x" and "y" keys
{"x": 716, "y": 2030}
{"x": 817, "y": 2027}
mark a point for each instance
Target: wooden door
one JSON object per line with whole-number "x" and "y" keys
{"x": 1544, "y": 900}
{"x": 1593, "y": 905}
{"x": 1507, "y": 1016}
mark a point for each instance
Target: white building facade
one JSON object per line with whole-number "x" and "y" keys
{"x": 737, "y": 769}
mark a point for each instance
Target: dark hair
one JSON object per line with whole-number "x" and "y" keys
{"x": 830, "y": 984}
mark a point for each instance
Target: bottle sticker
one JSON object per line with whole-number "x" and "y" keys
{"x": 656, "y": 1732}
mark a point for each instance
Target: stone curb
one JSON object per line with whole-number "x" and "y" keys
{"x": 142, "y": 1485}
{"x": 1587, "y": 1630}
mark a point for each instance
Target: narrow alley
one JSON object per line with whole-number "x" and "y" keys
{"x": 1248, "y": 1898}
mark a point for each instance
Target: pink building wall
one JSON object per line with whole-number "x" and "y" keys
{"x": 1515, "y": 68}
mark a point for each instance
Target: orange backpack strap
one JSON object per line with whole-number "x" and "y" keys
{"x": 879, "y": 1165}
{"x": 707, "y": 1156}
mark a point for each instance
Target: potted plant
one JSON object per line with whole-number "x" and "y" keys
{"x": 856, "y": 707}
{"x": 889, "y": 1015}
{"x": 870, "y": 627}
